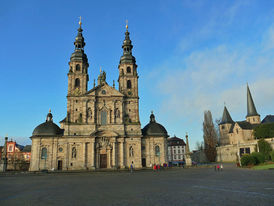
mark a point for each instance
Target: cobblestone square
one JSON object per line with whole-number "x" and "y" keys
{"x": 179, "y": 186}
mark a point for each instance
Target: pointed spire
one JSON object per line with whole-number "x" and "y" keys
{"x": 226, "y": 117}
{"x": 127, "y": 49}
{"x": 251, "y": 109}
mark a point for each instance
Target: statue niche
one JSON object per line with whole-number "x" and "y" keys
{"x": 89, "y": 114}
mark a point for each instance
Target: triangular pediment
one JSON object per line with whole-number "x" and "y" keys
{"x": 104, "y": 90}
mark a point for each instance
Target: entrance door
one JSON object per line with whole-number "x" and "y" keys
{"x": 59, "y": 165}
{"x": 103, "y": 160}
{"x": 143, "y": 162}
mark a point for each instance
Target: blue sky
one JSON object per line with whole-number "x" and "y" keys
{"x": 192, "y": 56}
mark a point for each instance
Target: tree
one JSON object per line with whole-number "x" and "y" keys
{"x": 210, "y": 137}
{"x": 264, "y": 131}
{"x": 264, "y": 148}
{"x": 217, "y": 129}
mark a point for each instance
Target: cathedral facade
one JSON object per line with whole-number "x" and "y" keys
{"x": 102, "y": 127}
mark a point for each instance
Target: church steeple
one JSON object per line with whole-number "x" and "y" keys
{"x": 128, "y": 81}
{"x": 252, "y": 116}
{"x": 127, "y": 50}
{"x": 78, "y": 71}
{"x": 79, "y": 44}
{"x": 251, "y": 109}
{"x": 226, "y": 117}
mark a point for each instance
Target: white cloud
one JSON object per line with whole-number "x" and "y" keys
{"x": 208, "y": 78}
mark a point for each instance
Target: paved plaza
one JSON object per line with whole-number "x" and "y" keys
{"x": 192, "y": 186}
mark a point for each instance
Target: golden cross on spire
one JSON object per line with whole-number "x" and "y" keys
{"x": 80, "y": 21}
{"x": 126, "y": 24}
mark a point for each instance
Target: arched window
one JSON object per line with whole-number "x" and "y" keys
{"x": 131, "y": 152}
{"x": 77, "y": 67}
{"x": 128, "y": 84}
{"x": 77, "y": 83}
{"x": 157, "y": 150}
{"x": 73, "y": 152}
{"x": 103, "y": 117}
{"x": 128, "y": 69}
{"x": 44, "y": 153}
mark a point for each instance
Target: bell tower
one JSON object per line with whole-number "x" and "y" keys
{"x": 128, "y": 81}
{"x": 78, "y": 67}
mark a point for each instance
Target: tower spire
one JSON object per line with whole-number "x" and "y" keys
{"x": 79, "y": 44}
{"x": 226, "y": 117}
{"x": 127, "y": 49}
{"x": 251, "y": 109}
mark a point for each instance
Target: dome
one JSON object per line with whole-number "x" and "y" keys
{"x": 154, "y": 129}
{"x": 47, "y": 128}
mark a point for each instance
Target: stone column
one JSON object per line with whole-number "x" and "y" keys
{"x": 84, "y": 155}
{"x": 114, "y": 154}
{"x": 108, "y": 158}
{"x": 122, "y": 164}
{"x": 92, "y": 156}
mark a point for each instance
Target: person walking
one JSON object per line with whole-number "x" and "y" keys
{"x": 154, "y": 167}
{"x": 222, "y": 167}
{"x": 218, "y": 167}
{"x": 131, "y": 167}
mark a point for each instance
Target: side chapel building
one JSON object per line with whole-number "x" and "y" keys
{"x": 102, "y": 127}
{"x": 236, "y": 137}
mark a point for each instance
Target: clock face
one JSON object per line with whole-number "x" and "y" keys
{"x": 129, "y": 93}
{"x": 104, "y": 92}
{"x": 60, "y": 149}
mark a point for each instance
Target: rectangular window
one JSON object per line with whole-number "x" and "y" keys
{"x": 103, "y": 117}
{"x": 242, "y": 151}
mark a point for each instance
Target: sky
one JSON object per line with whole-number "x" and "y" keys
{"x": 192, "y": 56}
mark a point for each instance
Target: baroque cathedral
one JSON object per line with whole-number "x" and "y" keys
{"x": 102, "y": 127}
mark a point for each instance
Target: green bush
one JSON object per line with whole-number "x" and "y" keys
{"x": 248, "y": 159}
{"x": 259, "y": 157}
{"x": 272, "y": 155}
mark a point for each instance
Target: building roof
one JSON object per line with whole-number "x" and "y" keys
{"x": 268, "y": 119}
{"x": 48, "y": 128}
{"x": 175, "y": 141}
{"x": 20, "y": 147}
{"x": 154, "y": 129}
{"x": 226, "y": 117}
{"x": 27, "y": 148}
{"x": 251, "y": 109}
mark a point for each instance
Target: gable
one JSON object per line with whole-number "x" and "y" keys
{"x": 104, "y": 90}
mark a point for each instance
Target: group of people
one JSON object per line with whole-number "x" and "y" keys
{"x": 219, "y": 167}
{"x": 156, "y": 168}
